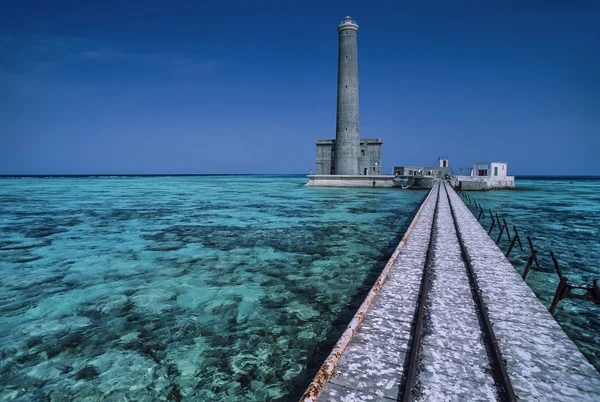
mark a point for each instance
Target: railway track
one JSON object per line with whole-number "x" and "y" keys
{"x": 452, "y": 351}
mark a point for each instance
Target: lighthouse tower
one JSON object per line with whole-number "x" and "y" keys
{"x": 347, "y": 135}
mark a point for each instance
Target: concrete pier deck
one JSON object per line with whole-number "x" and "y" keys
{"x": 455, "y": 361}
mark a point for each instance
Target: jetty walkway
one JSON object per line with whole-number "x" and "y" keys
{"x": 450, "y": 319}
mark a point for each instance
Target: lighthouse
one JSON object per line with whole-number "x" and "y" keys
{"x": 347, "y": 133}
{"x": 348, "y": 154}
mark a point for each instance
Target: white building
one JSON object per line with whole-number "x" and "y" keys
{"x": 486, "y": 176}
{"x": 489, "y": 169}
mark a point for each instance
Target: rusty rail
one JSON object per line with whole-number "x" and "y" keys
{"x": 498, "y": 365}
{"x": 417, "y": 333}
{"x": 328, "y": 367}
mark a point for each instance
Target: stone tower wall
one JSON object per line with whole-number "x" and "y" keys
{"x": 347, "y": 123}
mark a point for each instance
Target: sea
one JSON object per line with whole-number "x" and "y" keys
{"x": 195, "y": 288}
{"x": 228, "y": 288}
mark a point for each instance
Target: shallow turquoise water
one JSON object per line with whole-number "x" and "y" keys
{"x": 182, "y": 288}
{"x": 560, "y": 215}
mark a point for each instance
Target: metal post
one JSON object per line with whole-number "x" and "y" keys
{"x": 529, "y": 264}
{"x": 510, "y": 247}
{"x": 556, "y": 266}
{"x": 493, "y": 223}
{"x": 560, "y": 290}
{"x": 518, "y": 238}
{"x": 533, "y": 251}
{"x": 491, "y": 227}
{"x": 500, "y": 234}
{"x": 507, "y": 230}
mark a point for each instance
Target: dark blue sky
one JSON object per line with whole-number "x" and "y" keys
{"x": 247, "y": 87}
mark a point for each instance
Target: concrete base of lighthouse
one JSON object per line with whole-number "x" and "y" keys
{"x": 370, "y": 181}
{"x": 326, "y": 180}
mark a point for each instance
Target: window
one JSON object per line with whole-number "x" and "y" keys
{"x": 362, "y": 152}
{"x": 482, "y": 172}
{"x": 373, "y": 168}
{"x": 495, "y": 170}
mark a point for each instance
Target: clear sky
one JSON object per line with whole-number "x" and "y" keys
{"x": 248, "y": 86}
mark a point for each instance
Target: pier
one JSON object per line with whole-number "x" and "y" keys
{"x": 449, "y": 318}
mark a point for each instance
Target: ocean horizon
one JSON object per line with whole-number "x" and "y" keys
{"x": 522, "y": 177}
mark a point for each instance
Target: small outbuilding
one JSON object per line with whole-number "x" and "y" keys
{"x": 489, "y": 169}
{"x": 441, "y": 171}
{"x": 486, "y": 176}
